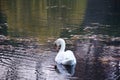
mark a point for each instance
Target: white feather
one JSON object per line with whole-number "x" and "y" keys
{"x": 64, "y": 57}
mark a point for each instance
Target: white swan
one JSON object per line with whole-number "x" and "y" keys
{"x": 64, "y": 57}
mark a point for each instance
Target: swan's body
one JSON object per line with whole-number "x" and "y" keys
{"x": 64, "y": 57}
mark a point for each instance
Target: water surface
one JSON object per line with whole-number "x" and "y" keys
{"x": 45, "y": 20}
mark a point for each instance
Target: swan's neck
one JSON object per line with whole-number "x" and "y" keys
{"x": 62, "y": 48}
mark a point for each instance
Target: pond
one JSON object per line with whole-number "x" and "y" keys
{"x": 73, "y": 20}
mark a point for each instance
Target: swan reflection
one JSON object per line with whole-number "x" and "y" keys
{"x": 66, "y": 69}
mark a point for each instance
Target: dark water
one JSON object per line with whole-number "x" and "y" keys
{"x": 49, "y": 19}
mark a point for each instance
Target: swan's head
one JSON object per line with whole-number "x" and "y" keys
{"x": 59, "y": 42}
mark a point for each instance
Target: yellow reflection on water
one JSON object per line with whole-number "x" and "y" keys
{"x": 41, "y": 18}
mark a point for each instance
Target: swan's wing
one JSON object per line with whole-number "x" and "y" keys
{"x": 69, "y": 58}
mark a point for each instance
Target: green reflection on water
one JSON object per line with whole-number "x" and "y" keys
{"x": 42, "y": 18}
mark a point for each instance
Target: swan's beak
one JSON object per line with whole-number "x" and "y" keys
{"x": 56, "y": 47}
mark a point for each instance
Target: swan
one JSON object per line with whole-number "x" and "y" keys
{"x": 64, "y": 57}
